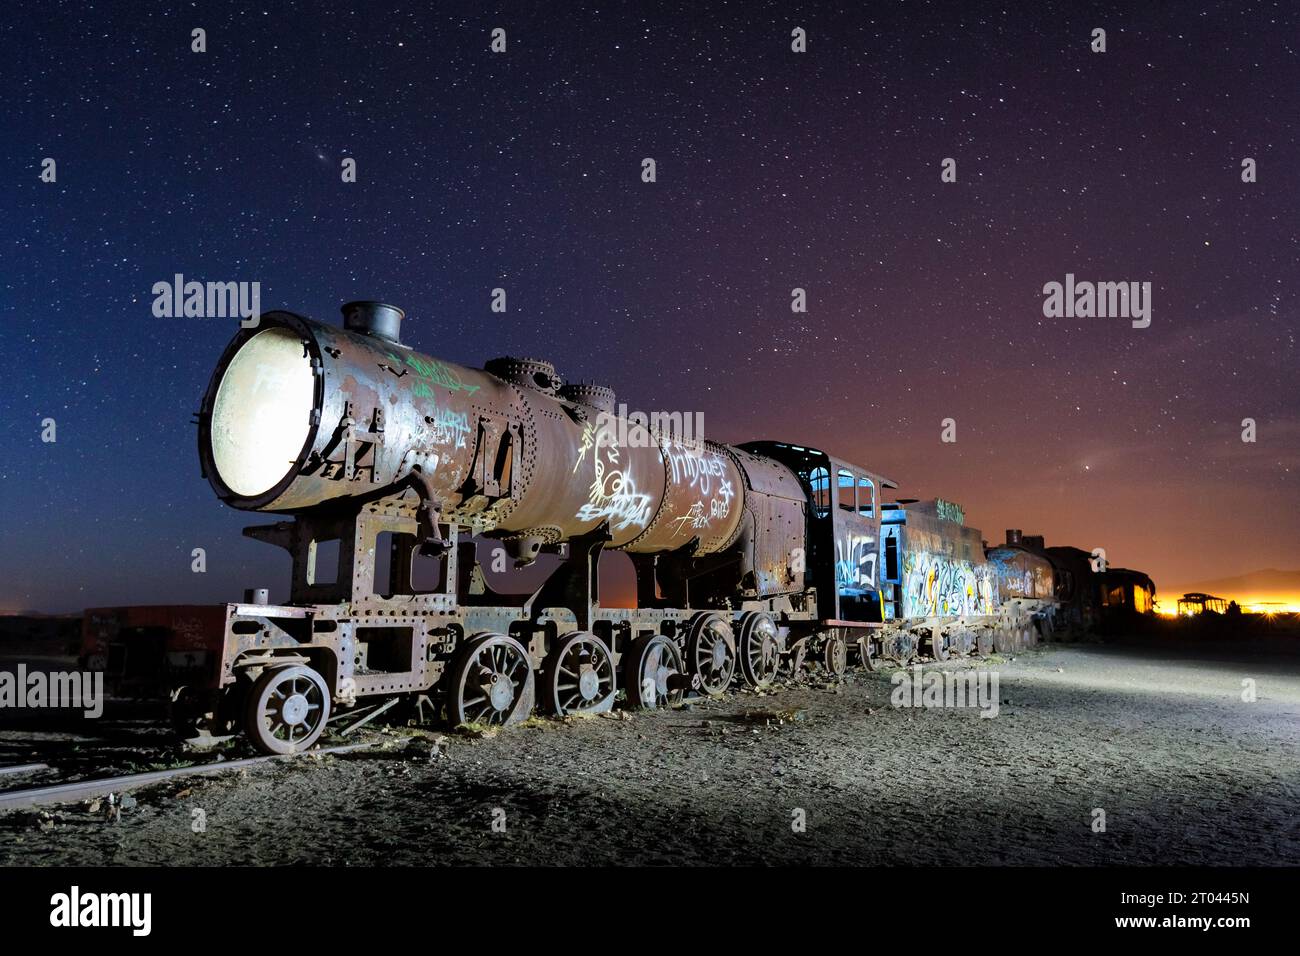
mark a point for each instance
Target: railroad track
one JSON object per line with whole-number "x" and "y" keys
{"x": 79, "y": 790}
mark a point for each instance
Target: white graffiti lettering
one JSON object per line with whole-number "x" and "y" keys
{"x": 448, "y": 427}
{"x": 856, "y": 561}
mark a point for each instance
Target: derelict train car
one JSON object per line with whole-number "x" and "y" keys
{"x": 388, "y": 461}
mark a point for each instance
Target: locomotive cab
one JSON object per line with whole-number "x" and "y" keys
{"x": 844, "y": 557}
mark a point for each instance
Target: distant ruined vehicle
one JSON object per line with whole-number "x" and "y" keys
{"x": 1196, "y": 602}
{"x": 749, "y": 559}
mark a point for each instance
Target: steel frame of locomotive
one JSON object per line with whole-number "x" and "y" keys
{"x": 350, "y": 639}
{"x": 400, "y": 472}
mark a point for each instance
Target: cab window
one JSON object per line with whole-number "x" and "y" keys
{"x": 820, "y": 483}
{"x": 866, "y": 498}
{"x": 846, "y": 487}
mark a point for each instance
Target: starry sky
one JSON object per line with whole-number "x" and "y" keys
{"x": 775, "y": 170}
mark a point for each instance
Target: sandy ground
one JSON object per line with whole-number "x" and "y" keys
{"x": 1185, "y": 770}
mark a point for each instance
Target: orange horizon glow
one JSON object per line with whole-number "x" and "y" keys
{"x": 1278, "y": 604}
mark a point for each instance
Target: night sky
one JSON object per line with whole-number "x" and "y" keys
{"x": 775, "y": 170}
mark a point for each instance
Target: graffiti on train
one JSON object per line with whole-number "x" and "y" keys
{"x": 935, "y": 585}
{"x": 855, "y": 561}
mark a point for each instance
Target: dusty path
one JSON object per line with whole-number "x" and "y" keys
{"x": 1185, "y": 770}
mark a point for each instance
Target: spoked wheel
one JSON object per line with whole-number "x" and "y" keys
{"x": 835, "y": 654}
{"x": 866, "y": 658}
{"x": 490, "y": 682}
{"x": 653, "y": 674}
{"x": 760, "y": 648}
{"x": 936, "y": 645}
{"x": 711, "y": 652}
{"x": 578, "y": 677}
{"x": 796, "y": 659}
{"x": 287, "y": 709}
{"x": 1003, "y": 639}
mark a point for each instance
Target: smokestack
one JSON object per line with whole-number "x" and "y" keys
{"x": 1013, "y": 536}
{"x": 377, "y": 319}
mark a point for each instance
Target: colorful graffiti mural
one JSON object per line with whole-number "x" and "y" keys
{"x": 1022, "y": 576}
{"x": 937, "y": 586}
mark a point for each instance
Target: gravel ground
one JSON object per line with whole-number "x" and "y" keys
{"x": 1186, "y": 772}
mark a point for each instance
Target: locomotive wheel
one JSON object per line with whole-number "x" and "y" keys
{"x": 287, "y": 709}
{"x": 1002, "y": 639}
{"x": 1010, "y": 639}
{"x": 578, "y": 677}
{"x": 711, "y": 652}
{"x": 911, "y": 648}
{"x": 653, "y": 673}
{"x": 490, "y": 682}
{"x": 760, "y": 649}
{"x": 901, "y": 648}
{"x": 835, "y": 654}
{"x": 865, "y": 658}
{"x": 889, "y": 649}
{"x": 796, "y": 658}
{"x": 937, "y": 645}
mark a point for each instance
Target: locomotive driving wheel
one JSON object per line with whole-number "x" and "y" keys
{"x": 835, "y": 654}
{"x": 490, "y": 682}
{"x": 287, "y": 709}
{"x": 759, "y": 648}
{"x": 796, "y": 658}
{"x": 711, "y": 652}
{"x": 653, "y": 673}
{"x": 578, "y": 677}
{"x": 937, "y": 645}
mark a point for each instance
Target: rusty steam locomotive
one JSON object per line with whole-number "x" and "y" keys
{"x": 748, "y": 559}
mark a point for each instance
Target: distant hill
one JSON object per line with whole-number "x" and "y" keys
{"x": 37, "y": 615}
{"x": 1258, "y": 587}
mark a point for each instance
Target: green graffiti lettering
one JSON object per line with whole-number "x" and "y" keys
{"x": 439, "y": 374}
{"x": 432, "y": 372}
